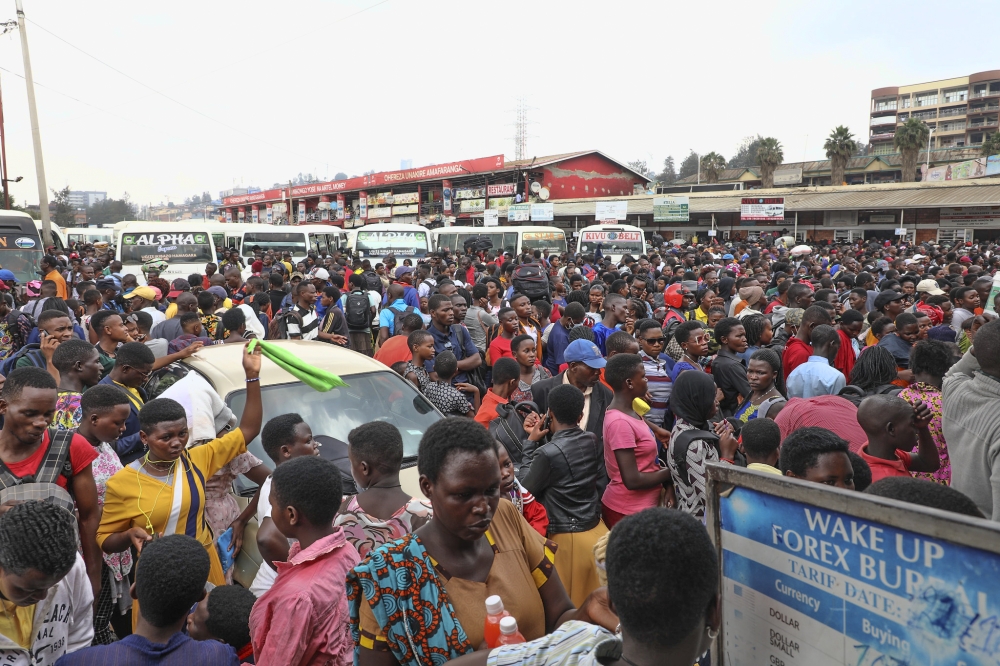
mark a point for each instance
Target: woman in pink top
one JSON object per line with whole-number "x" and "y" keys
{"x": 629, "y": 445}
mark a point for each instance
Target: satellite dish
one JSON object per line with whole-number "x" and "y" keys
{"x": 543, "y": 193}
{"x": 536, "y": 187}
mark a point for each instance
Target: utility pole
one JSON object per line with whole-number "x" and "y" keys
{"x": 3, "y": 159}
{"x": 36, "y": 137}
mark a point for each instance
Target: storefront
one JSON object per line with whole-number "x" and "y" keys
{"x": 454, "y": 193}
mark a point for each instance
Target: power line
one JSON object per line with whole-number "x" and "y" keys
{"x": 169, "y": 98}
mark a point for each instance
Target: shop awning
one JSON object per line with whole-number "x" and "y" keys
{"x": 851, "y": 197}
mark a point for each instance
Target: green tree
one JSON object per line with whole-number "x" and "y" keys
{"x": 64, "y": 214}
{"x": 840, "y": 146}
{"x": 689, "y": 166}
{"x": 712, "y": 165}
{"x": 640, "y": 166}
{"x": 991, "y": 146}
{"x": 340, "y": 176}
{"x": 111, "y": 211}
{"x": 769, "y": 156}
{"x": 746, "y": 154}
{"x": 910, "y": 137}
{"x": 668, "y": 176}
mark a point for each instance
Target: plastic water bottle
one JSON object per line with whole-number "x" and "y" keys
{"x": 494, "y": 614}
{"x": 509, "y": 635}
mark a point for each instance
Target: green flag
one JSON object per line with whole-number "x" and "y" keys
{"x": 321, "y": 380}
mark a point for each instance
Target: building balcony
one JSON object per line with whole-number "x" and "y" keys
{"x": 944, "y": 113}
{"x": 955, "y": 128}
{"x": 924, "y": 115}
{"x": 980, "y": 125}
{"x": 984, "y": 93}
{"x": 882, "y": 136}
{"x": 883, "y": 120}
{"x": 984, "y": 109}
{"x": 879, "y": 108}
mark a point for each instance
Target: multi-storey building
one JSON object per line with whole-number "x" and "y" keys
{"x": 961, "y": 111}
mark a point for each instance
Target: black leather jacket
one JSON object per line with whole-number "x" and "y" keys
{"x": 567, "y": 475}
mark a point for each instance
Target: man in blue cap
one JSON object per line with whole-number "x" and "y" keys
{"x": 584, "y": 372}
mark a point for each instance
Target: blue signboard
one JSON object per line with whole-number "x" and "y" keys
{"x": 807, "y": 585}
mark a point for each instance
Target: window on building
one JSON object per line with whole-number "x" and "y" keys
{"x": 951, "y": 236}
{"x": 907, "y": 102}
{"x": 927, "y": 99}
{"x": 957, "y": 95}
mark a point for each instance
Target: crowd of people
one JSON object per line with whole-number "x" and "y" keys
{"x": 583, "y": 402}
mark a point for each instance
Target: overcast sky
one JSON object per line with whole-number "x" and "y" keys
{"x": 231, "y": 93}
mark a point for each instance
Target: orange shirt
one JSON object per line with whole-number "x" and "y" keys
{"x": 393, "y": 350}
{"x": 488, "y": 409}
{"x": 61, "y": 290}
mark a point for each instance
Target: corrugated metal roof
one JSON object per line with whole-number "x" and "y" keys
{"x": 554, "y": 159}
{"x": 984, "y": 192}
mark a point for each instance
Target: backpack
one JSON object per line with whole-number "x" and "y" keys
{"x": 357, "y": 310}
{"x": 17, "y": 340}
{"x": 508, "y": 428}
{"x": 278, "y": 328}
{"x": 42, "y": 485}
{"x": 32, "y": 352}
{"x": 372, "y": 281}
{"x": 397, "y": 318}
{"x": 532, "y": 281}
{"x": 682, "y": 442}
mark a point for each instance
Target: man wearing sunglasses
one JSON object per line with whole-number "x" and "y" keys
{"x": 652, "y": 343}
{"x": 133, "y": 366}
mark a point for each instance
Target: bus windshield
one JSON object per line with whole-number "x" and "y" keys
{"x": 293, "y": 242}
{"x": 181, "y": 247}
{"x": 24, "y": 263}
{"x": 399, "y": 243}
{"x": 553, "y": 241}
{"x": 612, "y": 242}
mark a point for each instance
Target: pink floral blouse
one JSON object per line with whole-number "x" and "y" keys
{"x": 105, "y": 466}
{"x": 931, "y": 396}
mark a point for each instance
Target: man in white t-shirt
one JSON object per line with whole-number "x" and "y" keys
{"x": 284, "y": 437}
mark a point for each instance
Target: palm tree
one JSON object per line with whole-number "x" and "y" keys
{"x": 910, "y": 137}
{"x": 991, "y": 146}
{"x": 840, "y": 146}
{"x": 769, "y": 156}
{"x": 712, "y": 165}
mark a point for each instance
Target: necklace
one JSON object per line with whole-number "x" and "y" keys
{"x": 693, "y": 361}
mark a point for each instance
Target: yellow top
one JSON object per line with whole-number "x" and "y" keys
{"x": 171, "y": 311}
{"x": 16, "y": 623}
{"x": 159, "y": 505}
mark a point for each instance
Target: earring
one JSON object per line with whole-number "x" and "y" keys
{"x": 712, "y": 633}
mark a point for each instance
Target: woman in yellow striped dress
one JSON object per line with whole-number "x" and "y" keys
{"x": 163, "y": 492}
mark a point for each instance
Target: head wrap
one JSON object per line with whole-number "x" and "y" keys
{"x": 693, "y": 397}
{"x": 751, "y": 294}
{"x": 932, "y": 311}
{"x": 725, "y": 289}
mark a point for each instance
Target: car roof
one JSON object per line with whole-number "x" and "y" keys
{"x": 222, "y": 365}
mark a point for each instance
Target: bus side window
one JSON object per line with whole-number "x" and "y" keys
{"x": 510, "y": 242}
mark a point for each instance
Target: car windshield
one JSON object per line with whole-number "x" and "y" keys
{"x": 25, "y": 264}
{"x": 181, "y": 247}
{"x": 294, "y": 242}
{"x": 373, "y": 396}
{"x": 399, "y": 243}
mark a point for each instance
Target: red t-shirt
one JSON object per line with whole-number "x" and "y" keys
{"x": 394, "y": 350}
{"x": 499, "y": 348}
{"x": 796, "y": 353}
{"x": 882, "y": 468}
{"x": 81, "y": 454}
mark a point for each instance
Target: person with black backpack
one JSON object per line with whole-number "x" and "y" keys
{"x": 15, "y": 327}
{"x": 359, "y": 310}
{"x": 391, "y": 316}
